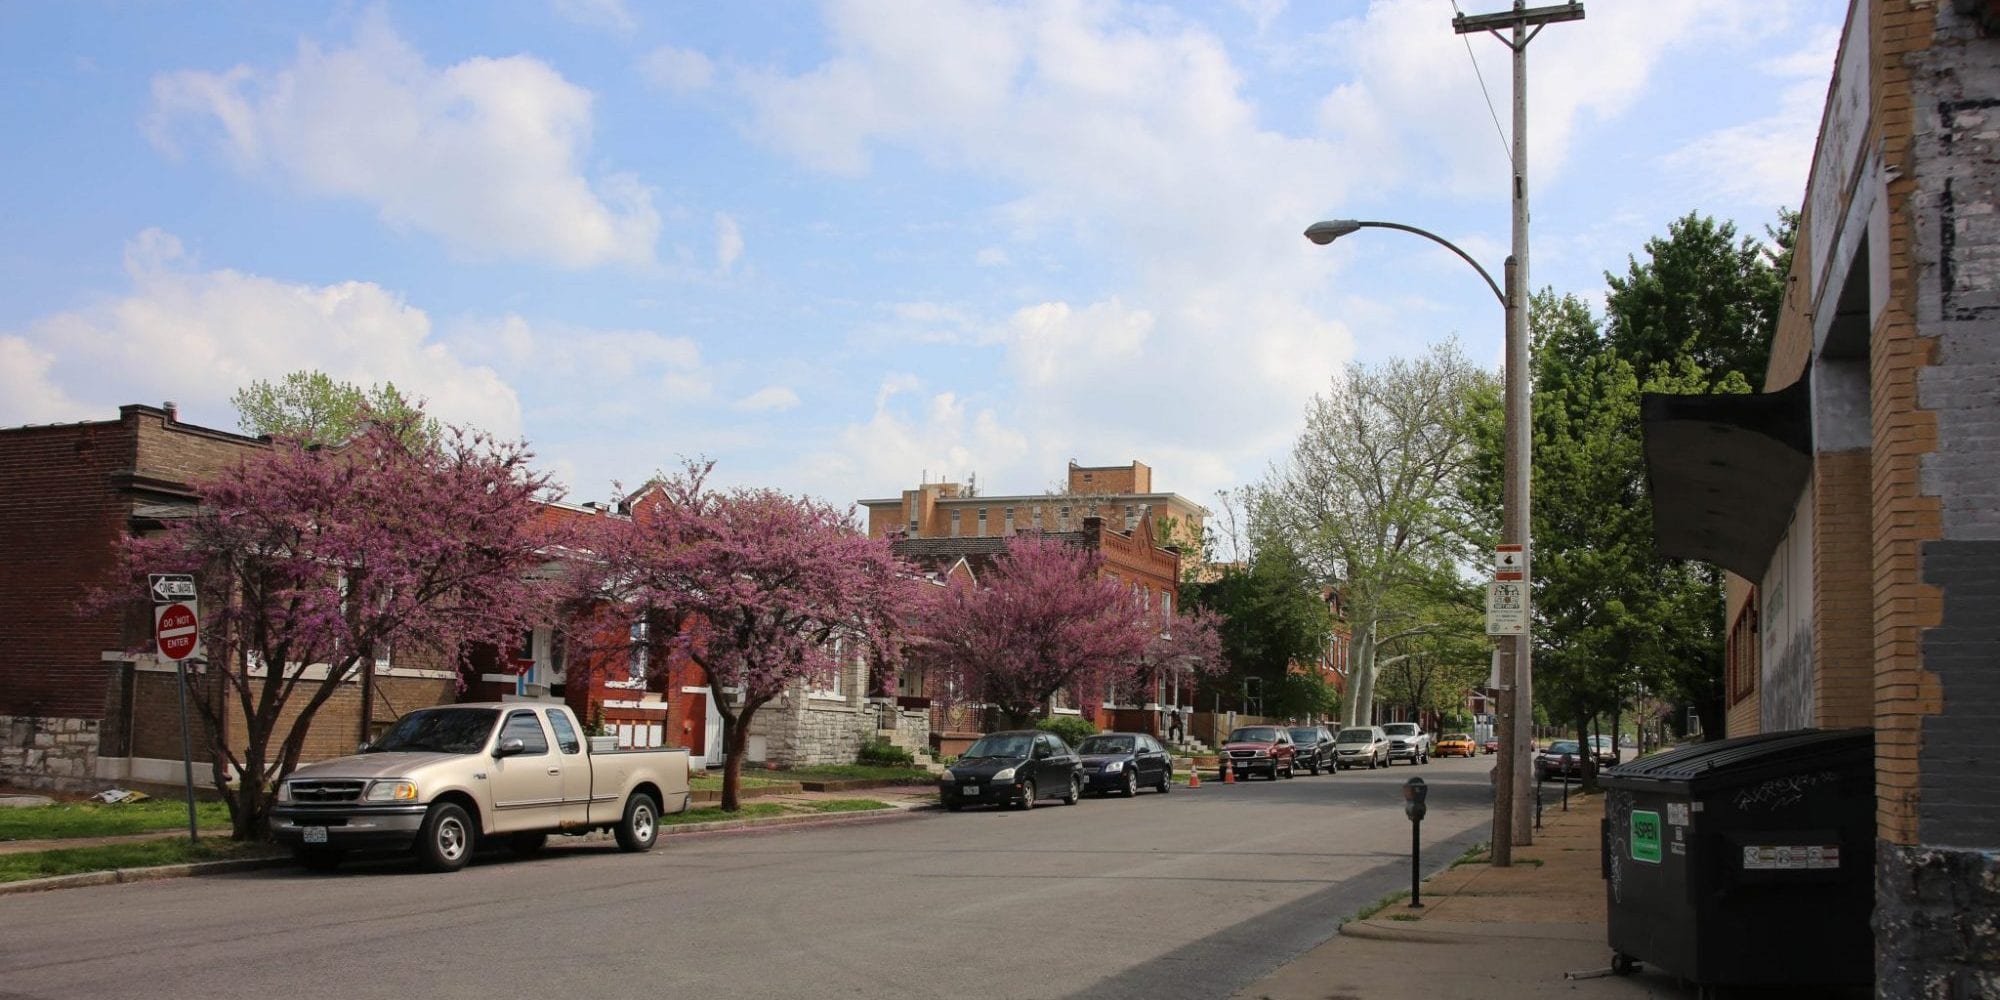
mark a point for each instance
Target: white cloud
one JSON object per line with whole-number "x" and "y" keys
{"x": 1760, "y": 162}
{"x": 679, "y": 71}
{"x": 611, "y": 14}
{"x": 728, "y": 242}
{"x": 770, "y": 398}
{"x": 196, "y": 336}
{"x": 483, "y": 154}
{"x": 911, "y": 435}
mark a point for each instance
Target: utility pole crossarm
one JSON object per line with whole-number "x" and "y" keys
{"x": 1536, "y": 16}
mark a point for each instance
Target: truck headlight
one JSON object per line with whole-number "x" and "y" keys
{"x": 1113, "y": 767}
{"x": 391, "y": 791}
{"x": 284, "y": 791}
{"x": 1004, "y": 774}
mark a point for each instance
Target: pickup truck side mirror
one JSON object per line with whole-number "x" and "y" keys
{"x": 363, "y": 748}
{"x": 509, "y": 747}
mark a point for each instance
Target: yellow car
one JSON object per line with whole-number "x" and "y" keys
{"x": 1456, "y": 745}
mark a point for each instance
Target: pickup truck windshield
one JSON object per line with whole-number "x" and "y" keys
{"x": 1400, "y": 729}
{"x": 439, "y": 730}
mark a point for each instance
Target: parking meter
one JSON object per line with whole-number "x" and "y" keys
{"x": 1414, "y": 791}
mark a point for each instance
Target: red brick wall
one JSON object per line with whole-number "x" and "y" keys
{"x": 59, "y": 521}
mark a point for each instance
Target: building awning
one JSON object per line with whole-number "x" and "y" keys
{"x": 1725, "y": 472}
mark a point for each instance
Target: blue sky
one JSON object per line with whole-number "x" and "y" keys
{"x": 838, "y": 247}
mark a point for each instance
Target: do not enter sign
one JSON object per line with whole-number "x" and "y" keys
{"x": 177, "y": 629}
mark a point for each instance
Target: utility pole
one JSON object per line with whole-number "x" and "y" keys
{"x": 1513, "y": 812}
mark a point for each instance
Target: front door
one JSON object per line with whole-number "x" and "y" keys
{"x": 527, "y": 786}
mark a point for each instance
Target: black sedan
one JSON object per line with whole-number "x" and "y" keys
{"x": 1012, "y": 768}
{"x": 1316, "y": 751}
{"x": 1124, "y": 763}
{"x": 1563, "y": 760}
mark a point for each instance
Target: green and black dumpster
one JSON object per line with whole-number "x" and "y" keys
{"x": 1745, "y": 862}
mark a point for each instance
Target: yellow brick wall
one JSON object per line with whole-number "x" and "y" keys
{"x": 1843, "y": 633}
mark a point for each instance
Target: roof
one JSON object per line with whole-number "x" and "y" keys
{"x": 1725, "y": 472}
{"x": 1023, "y": 499}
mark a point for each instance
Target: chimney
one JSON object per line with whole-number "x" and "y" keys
{"x": 173, "y": 412}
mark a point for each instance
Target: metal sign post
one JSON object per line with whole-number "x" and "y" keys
{"x": 176, "y": 633}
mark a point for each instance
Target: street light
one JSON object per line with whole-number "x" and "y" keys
{"x": 1510, "y": 779}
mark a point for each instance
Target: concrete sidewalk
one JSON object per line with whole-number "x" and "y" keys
{"x": 1484, "y": 933}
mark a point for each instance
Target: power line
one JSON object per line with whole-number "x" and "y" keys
{"x": 1505, "y": 150}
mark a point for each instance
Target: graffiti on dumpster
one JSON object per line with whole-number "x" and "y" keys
{"x": 1777, "y": 793}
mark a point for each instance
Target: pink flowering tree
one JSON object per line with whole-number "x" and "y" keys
{"x": 1187, "y": 642}
{"x": 754, "y": 587}
{"x": 1042, "y": 619}
{"x": 314, "y": 562}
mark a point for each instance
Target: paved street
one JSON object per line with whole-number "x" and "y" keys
{"x": 1193, "y": 894}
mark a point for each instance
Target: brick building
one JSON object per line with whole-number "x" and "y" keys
{"x": 79, "y": 708}
{"x": 1107, "y": 509}
{"x": 1854, "y": 502}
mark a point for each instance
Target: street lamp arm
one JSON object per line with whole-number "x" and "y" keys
{"x": 1326, "y": 232}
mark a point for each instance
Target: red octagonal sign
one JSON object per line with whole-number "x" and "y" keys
{"x": 176, "y": 628}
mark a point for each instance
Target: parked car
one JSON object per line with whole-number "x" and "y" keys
{"x": 1251, "y": 749}
{"x": 1362, "y": 746}
{"x": 1014, "y": 768}
{"x": 1315, "y": 748}
{"x": 1550, "y": 762}
{"x": 1408, "y": 741}
{"x": 1456, "y": 745}
{"x": 1606, "y": 750}
{"x": 443, "y": 779}
{"x": 1492, "y": 746}
{"x": 1125, "y": 762}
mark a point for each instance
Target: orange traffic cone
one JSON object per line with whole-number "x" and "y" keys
{"x": 1228, "y": 774}
{"x": 1194, "y": 778}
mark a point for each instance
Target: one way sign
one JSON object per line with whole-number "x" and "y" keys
{"x": 171, "y": 588}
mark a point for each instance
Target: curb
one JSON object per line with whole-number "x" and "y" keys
{"x": 1370, "y": 930}
{"x": 121, "y": 876}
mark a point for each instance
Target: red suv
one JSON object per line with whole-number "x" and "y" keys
{"x": 1254, "y": 749}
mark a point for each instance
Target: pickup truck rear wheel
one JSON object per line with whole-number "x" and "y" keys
{"x": 445, "y": 842}
{"x": 641, "y": 824}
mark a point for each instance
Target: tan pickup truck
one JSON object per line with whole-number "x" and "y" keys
{"x": 443, "y": 778}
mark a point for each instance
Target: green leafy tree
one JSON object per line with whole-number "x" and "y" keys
{"x": 1703, "y": 296}
{"x": 1273, "y": 616}
{"x": 1372, "y": 497}
{"x": 312, "y": 408}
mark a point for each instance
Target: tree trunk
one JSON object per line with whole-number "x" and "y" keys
{"x": 1360, "y": 676}
{"x": 735, "y": 746}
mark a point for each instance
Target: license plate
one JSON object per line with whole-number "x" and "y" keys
{"x": 972, "y": 790}
{"x": 315, "y": 835}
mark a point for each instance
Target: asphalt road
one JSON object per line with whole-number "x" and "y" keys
{"x": 1191, "y": 894}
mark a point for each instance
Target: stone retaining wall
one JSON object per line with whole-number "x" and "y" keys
{"x": 46, "y": 753}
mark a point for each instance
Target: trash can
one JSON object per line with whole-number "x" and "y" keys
{"x": 1745, "y": 862}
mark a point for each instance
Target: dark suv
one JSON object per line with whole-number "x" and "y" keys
{"x": 1254, "y": 749}
{"x": 1315, "y": 748}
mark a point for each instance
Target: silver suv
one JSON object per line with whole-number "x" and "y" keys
{"x": 1361, "y": 746}
{"x": 1408, "y": 741}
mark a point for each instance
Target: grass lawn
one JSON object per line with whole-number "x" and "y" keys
{"x": 166, "y": 851}
{"x": 95, "y": 819}
{"x": 823, "y": 772}
{"x": 761, "y": 810}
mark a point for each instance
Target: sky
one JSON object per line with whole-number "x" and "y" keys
{"x": 841, "y": 248}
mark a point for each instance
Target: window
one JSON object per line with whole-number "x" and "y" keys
{"x": 1035, "y": 515}
{"x": 642, "y": 635}
{"x": 982, "y": 522}
{"x": 1741, "y": 662}
{"x": 525, "y": 727}
{"x": 913, "y": 528}
{"x": 830, "y": 687}
{"x": 565, "y": 733}
{"x": 1007, "y": 522}
{"x": 1062, "y": 518}
{"x": 1167, "y": 605}
{"x": 1131, "y": 517}
{"x": 954, "y": 524}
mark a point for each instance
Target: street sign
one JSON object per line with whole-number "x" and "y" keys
{"x": 1509, "y": 561}
{"x": 171, "y": 588}
{"x": 1506, "y": 607}
{"x": 177, "y": 629}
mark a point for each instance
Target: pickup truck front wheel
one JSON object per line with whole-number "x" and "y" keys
{"x": 445, "y": 842}
{"x": 641, "y": 825}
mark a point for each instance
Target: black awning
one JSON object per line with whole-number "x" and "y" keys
{"x": 1726, "y": 471}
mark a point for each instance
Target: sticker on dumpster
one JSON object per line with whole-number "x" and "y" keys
{"x": 1791, "y": 857}
{"x": 1646, "y": 836}
{"x": 1677, "y": 814}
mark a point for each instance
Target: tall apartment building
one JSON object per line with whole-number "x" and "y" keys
{"x": 1855, "y": 501}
